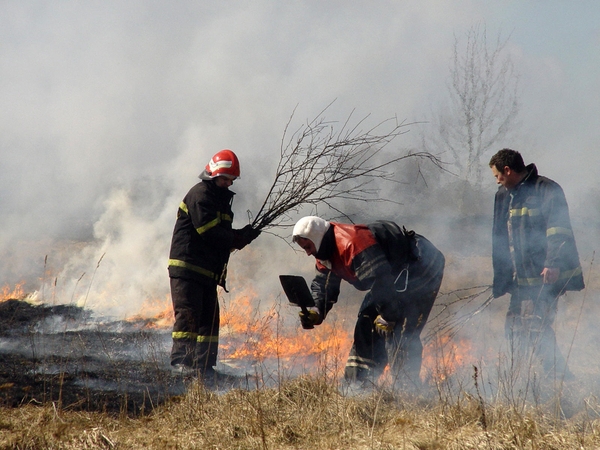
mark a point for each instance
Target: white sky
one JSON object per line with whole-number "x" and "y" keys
{"x": 99, "y": 95}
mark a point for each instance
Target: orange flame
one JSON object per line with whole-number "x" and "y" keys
{"x": 260, "y": 336}
{"x": 444, "y": 356}
{"x": 249, "y": 334}
{"x": 15, "y": 293}
{"x": 155, "y": 314}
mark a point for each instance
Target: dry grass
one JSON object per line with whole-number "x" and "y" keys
{"x": 471, "y": 408}
{"x": 303, "y": 413}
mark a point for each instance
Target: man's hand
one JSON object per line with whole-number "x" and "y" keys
{"x": 244, "y": 236}
{"x": 550, "y": 275}
{"x": 382, "y": 326}
{"x": 311, "y": 318}
{"x": 250, "y": 233}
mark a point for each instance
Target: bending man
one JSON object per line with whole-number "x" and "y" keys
{"x": 401, "y": 272}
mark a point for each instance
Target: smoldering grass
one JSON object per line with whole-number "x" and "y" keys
{"x": 493, "y": 410}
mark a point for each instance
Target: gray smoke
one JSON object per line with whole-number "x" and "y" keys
{"x": 110, "y": 111}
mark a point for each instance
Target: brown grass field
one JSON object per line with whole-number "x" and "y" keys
{"x": 107, "y": 386}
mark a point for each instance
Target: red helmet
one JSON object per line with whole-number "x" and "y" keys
{"x": 224, "y": 164}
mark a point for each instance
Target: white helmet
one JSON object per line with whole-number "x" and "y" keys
{"x": 311, "y": 227}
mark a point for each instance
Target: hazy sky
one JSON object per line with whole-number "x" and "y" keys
{"x": 110, "y": 109}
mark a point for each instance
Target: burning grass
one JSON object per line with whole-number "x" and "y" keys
{"x": 9, "y": 292}
{"x": 473, "y": 395}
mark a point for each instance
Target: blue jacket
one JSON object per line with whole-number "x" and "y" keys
{"x": 537, "y": 212}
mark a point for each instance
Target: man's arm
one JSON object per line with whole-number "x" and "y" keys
{"x": 208, "y": 221}
{"x": 562, "y": 259}
{"x": 558, "y": 229}
{"x": 244, "y": 236}
{"x": 501, "y": 259}
{"x": 325, "y": 288}
{"x": 372, "y": 268}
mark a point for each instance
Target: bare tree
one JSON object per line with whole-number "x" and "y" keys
{"x": 319, "y": 165}
{"x": 483, "y": 103}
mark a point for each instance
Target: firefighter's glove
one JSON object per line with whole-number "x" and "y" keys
{"x": 310, "y": 318}
{"x": 383, "y": 327}
{"x": 244, "y": 236}
{"x": 249, "y": 233}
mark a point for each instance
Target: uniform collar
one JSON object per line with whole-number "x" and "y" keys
{"x": 327, "y": 245}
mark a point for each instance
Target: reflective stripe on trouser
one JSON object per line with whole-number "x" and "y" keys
{"x": 207, "y": 348}
{"x": 402, "y": 349}
{"x": 367, "y": 357}
{"x": 196, "y": 328}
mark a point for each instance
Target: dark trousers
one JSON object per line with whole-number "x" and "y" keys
{"x": 528, "y": 327}
{"x": 196, "y": 328}
{"x": 402, "y": 349}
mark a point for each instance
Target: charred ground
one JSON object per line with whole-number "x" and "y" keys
{"x": 60, "y": 354}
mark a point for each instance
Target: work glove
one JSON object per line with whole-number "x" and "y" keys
{"x": 311, "y": 318}
{"x": 382, "y": 326}
{"x": 244, "y": 236}
{"x": 249, "y": 233}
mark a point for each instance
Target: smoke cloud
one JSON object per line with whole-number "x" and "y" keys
{"x": 111, "y": 110}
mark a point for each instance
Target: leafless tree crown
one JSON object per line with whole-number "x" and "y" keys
{"x": 319, "y": 164}
{"x": 483, "y": 94}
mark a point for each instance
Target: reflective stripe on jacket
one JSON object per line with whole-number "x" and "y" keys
{"x": 371, "y": 257}
{"x": 540, "y": 236}
{"x": 203, "y": 235}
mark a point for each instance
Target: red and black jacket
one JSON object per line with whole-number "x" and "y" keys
{"x": 370, "y": 257}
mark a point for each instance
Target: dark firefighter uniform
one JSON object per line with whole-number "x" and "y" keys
{"x": 402, "y": 271}
{"x": 202, "y": 241}
{"x": 531, "y": 231}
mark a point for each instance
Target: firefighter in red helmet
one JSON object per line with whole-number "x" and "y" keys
{"x": 225, "y": 164}
{"x": 203, "y": 239}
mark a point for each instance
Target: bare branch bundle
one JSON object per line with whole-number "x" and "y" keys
{"x": 318, "y": 165}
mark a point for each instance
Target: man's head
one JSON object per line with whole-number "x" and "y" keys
{"x": 223, "y": 168}
{"x": 508, "y": 167}
{"x": 308, "y": 233}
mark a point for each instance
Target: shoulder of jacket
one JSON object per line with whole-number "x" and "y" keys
{"x": 542, "y": 183}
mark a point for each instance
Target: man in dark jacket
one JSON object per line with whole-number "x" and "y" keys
{"x": 402, "y": 272}
{"x": 202, "y": 241}
{"x": 534, "y": 257}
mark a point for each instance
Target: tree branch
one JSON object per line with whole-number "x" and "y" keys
{"x": 318, "y": 164}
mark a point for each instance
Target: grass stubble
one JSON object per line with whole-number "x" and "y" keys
{"x": 302, "y": 413}
{"x": 479, "y": 406}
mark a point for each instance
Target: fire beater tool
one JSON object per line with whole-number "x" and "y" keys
{"x": 297, "y": 292}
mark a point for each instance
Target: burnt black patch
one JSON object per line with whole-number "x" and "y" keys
{"x": 61, "y": 354}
